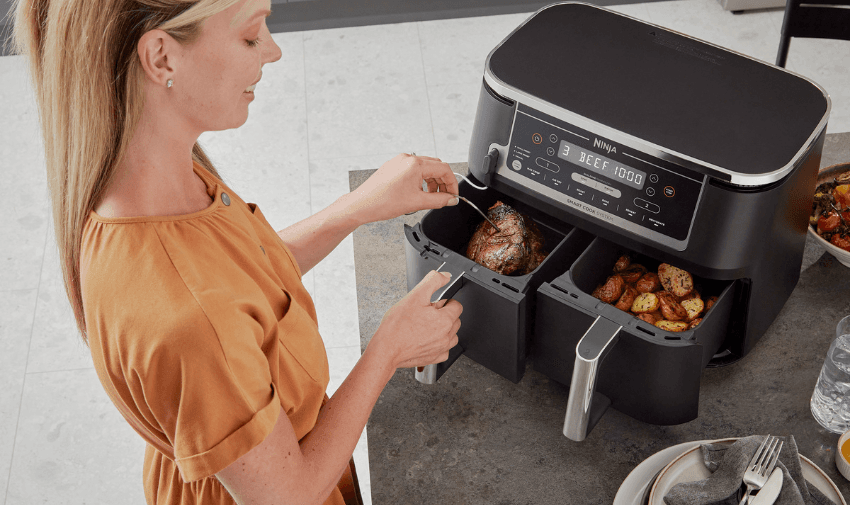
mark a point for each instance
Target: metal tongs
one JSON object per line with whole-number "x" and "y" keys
{"x": 467, "y": 201}
{"x": 479, "y": 211}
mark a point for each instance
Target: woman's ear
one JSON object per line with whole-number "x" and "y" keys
{"x": 157, "y": 56}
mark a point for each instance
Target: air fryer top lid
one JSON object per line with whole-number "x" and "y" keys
{"x": 706, "y": 103}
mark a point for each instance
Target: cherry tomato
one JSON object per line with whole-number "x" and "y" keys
{"x": 828, "y": 222}
{"x": 841, "y": 241}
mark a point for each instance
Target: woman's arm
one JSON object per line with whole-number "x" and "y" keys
{"x": 395, "y": 189}
{"x": 413, "y": 332}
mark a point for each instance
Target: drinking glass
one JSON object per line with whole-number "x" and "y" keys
{"x": 831, "y": 398}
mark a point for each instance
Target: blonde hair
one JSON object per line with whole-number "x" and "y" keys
{"x": 88, "y": 83}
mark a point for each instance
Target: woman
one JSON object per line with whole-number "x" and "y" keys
{"x": 199, "y": 327}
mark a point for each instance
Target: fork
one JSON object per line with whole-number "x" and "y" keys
{"x": 761, "y": 466}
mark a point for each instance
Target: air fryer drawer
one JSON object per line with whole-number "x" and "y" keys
{"x": 452, "y": 227}
{"x": 498, "y": 310}
{"x": 650, "y": 374}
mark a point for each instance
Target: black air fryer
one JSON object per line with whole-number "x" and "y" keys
{"x": 617, "y": 136}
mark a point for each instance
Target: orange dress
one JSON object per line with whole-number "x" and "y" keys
{"x": 201, "y": 330}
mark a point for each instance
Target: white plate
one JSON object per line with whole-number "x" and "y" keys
{"x": 636, "y": 486}
{"x": 689, "y": 466}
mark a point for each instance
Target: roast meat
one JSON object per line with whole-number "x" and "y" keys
{"x": 516, "y": 248}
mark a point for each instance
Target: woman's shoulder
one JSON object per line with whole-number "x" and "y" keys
{"x": 166, "y": 274}
{"x": 127, "y": 273}
{"x": 147, "y": 300}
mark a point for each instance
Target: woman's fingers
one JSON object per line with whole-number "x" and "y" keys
{"x": 422, "y": 330}
{"x": 406, "y": 184}
{"x": 427, "y": 158}
{"x": 429, "y": 285}
{"x": 439, "y": 304}
{"x": 453, "y": 308}
{"x": 432, "y": 185}
{"x": 432, "y": 169}
{"x": 455, "y": 328}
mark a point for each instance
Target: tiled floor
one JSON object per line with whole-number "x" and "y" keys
{"x": 338, "y": 100}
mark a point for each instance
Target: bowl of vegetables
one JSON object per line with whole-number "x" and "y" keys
{"x": 829, "y": 223}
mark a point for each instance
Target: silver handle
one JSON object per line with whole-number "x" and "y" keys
{"x": 426, "y": 374}
{"x": 429, "y": 374}
{"x": 590, "y": 351}
{"x": 451, "y": 288}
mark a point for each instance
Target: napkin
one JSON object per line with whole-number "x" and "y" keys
{"x": 728, "y": 464}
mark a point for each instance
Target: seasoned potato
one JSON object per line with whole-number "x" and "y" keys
{"x": 675, "y": 280}
{"x": 670, "y": 308}
{"x": 694, "y": 307}
{"x": 625, "y": 301}
{"x": 597, "y": 292}
{"x": 692, "y": 294}
{"x": 645, "y": 302}
{"x": 633, "y": 273}
{"x": 672, "y": 325}
{"x": 622, "y": 263}
{"x": 649, "y": 283}
{"x": 612, "y": 290}
{"x": 650, "y": 317}
{"x": 668, "y": 299}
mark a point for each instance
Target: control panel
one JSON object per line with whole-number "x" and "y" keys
{"x": 596, "y": 176}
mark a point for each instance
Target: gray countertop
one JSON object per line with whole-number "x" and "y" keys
{"x": 475, "y": 437}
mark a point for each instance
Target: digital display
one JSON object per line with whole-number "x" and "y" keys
{"x": 601, "y": 165}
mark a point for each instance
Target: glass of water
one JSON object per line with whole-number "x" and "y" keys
{"x": 831, "y": 399}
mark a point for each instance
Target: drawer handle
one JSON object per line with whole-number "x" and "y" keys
{"x": 584, "y": 406}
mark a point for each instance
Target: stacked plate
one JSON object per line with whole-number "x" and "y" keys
{"x": 652, "y": 479}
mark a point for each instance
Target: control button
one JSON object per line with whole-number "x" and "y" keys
{"x": 583, "y": 180}
{"x": 653, "y": 178}
{"x": 225, "y": 199}
{"x": 516, "y": 165}
{"x": 596, "y": 185}
{"x": 553, "y": 138}
{"x": 548, "y": 165}
{"x": 608, "y": 190}
{"x": 537, "y": 138}
{"x": 669, "y": 191}
{"x": 550, "y": 151}
{"x": 650, "y": 191}
{"x": 643, "y": 204}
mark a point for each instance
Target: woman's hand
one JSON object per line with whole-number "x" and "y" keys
{"x": 416, "y": 332}
{"x": 396, "y": 188}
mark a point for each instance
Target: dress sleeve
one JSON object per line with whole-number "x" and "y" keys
{"x": 212, "y": 397}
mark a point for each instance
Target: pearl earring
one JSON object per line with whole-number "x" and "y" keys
{"x": 169, "y": 82}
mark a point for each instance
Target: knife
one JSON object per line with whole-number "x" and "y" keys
{"x": 770, "y": 491}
